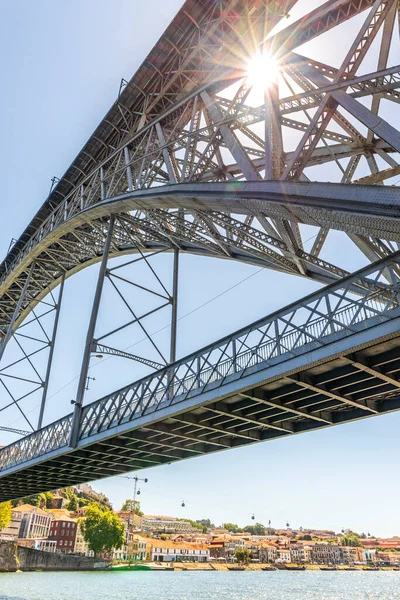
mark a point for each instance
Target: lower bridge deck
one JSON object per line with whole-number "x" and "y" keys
{"x": 331, "y": 358}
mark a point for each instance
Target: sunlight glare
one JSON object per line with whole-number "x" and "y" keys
{"x": 262, "y": 71}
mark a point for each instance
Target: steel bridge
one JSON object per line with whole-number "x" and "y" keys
{"x": 191, "y": 158}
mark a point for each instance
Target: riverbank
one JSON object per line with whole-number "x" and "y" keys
{"x": 252, "y": 567}
{"x": 19, "y": 558}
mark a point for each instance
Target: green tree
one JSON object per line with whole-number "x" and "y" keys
{"x": 69, "y": 492}
{"x": 257, "y": 529}
{"x": 205, "y": 523}
{"x": 73, "y": 503}
{"x": 34, "y": 499}
{"x": 43, "y": 500}
{"x": 232, "y": 527}
{"x": 5, "y": 514}
{"x": 350, "y": 538}
{"x": 134, "y": 506}
{"x": 242, "y": 555}
{"x": 102, "y": 529}
{"x": 194, "y": 524}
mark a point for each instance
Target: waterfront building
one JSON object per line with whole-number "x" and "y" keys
{"x": 267, "y": 553}
{"x": 81, "y": 547}
{"x": 167, "y": 551}
{"x": 325, "y": 553}
{"x": 164, "y": 524}
{"x": 368, "y": 556}
{"x": 138, "y": 547}
{"x": 297, "y": 553}
{"x": 283, "y": 555}
{"x": 387, "y": 558}
{"x": 120, "y": 554}
{"x": 45, "y": 545}
{"x": 225, "y": 547}
{"x": 63, "y": 531}
{"x": 351, "y": 555}
{"x": 11, "y": 532}
{"x": 35, "y": 522}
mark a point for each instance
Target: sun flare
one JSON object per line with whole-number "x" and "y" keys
{"x": 262, "y": 71}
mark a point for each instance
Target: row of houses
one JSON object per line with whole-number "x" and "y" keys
{"x": 53, "y": 531}
{"x": 58, "y": 530}
{"x": 315, "y": 552}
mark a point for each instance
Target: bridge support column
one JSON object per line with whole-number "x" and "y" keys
{"x": 50, "y": 358}
{"x": 174, "y": 318}
{"x": 89, "y": 338}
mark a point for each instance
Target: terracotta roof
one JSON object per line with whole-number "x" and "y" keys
{"x": 30, "y": 508}
{"x": 62, "y": 519}
{"x": 60, "y": 512}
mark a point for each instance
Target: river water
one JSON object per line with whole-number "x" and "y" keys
{"x": 142, "y": 585}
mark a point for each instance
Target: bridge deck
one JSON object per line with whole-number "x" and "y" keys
{"x": 327, "y": 359}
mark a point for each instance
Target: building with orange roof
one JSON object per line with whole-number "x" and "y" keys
{"x": 35, "y": 522}
{"x": 225, "y": 546}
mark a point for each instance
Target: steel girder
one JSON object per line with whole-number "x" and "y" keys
{"x": 184, "y": 159}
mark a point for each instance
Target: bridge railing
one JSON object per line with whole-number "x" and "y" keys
{"x": 49, "y": 438}
{"x": 314, "y": 321}
{"x": 317, "y": 320}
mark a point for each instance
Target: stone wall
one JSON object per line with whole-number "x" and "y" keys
{"x": 14, "y": 557}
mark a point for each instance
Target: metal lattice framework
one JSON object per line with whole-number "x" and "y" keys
{"x": 191, "y": 158}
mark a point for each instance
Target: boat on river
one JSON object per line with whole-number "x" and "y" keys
{"x": 140, "y": 567}
{"x": 268, "y": 568}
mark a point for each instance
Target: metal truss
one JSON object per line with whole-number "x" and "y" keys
{"x": 190, "y": 159}
{"x": 26, "y": 375}
{"x": 332, "y": 327}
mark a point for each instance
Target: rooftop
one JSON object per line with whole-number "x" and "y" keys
{"x": 30, "y": 508}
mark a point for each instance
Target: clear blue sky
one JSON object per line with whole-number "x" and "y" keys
{"x": 61, "y": 65}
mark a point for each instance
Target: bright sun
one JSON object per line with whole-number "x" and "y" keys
{"x": 262, "y": 71}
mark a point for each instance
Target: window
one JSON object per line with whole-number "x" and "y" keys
{"x": 61, "y": 542}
